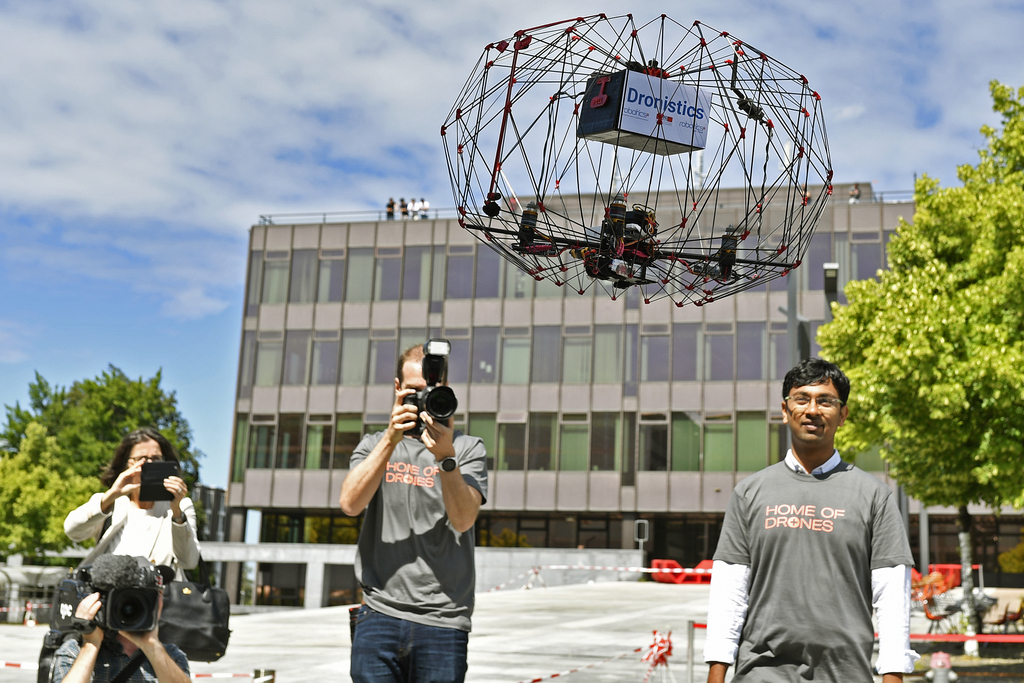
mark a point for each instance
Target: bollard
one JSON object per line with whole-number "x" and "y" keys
{"x": 941, "y": 669}
{"x": 689, "y": 651}
{"x": 263, "y": 676}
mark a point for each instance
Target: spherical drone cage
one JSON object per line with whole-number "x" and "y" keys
{"x": 583, "y": 205}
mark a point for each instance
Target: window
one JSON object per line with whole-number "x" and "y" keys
{"x": 547, "y": 354}
{"x": 653, "y": 443}
{"x": 686, "y": 352}
{"x": 296, "y": 357}
{"x": 608, "y": 354}
{"x": 628, "y": 449}
{"x": 865, "y": 258}
{"x": 547, "y": 289}
{"x": 275, "y": 277}
{"x": 778, "y": 351}
{"x": 630, "y": 366}
{"x": 245, "y": 371}
{"x": 458, "y": 361}
{"x": 511, "y": 446}
{"x": 685, "y": 442}
{"x": 252, "y": 299}
{"x": 261, "y": 445}
{"x": 488, "y": 273}
{"x": 303, "y": 284}
{"x": 359, "y": 279}
{"x": 346, "y": 437}
{"x": 241, "y": 441}
{"x": 268, "y": 359}
{"x": 355, "y": 345}
{"x": 654, "y": 363}
{"x": 325, "y": 357}
{"x": 437, "y": 281}
{"x": 485, "y": 355}
{"x": 632, "y": 298}
{"x": 416, "y": 275}
{"x": 383, "y": 357}
{"x": 409, "y": 337}
{"x": 332, "y": 276}
{"x": 460, "y": 273}
{"x": 718, "y": 443}
{"x": 718, "y": 352}
{"x": 750, "y": 355}
{"x": 572, "y": 445}
{"x": 751, "y": 441}
{"x": 542, "y": 451}
{"x": 289, "y": 441}
{"x": 819, "y": 252}
{"x": 387, "y": 275}
{"x": 318, "y": 446}
{"x": 605, "y": 441}
{"x": 515, "y": 356}
{"x": 518, "y": 285}
{"x": 482, "y": 425}
{"x": 576, "y": 360}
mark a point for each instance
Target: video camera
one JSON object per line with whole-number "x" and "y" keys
{"x": 436, "y": 399}
{"x": 129, "y": 589}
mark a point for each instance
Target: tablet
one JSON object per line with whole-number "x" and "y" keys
{"x": 153, "y": 475}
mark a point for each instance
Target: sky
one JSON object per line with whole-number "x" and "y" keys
{"x": 139, "y": 141}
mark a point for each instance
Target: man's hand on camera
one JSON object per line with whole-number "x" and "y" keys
{"x": 403, "y": 417}
{"x": 437, "y": 437}
{"x": 87, "y": 610}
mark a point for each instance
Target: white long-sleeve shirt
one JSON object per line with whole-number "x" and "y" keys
{"x": 890, "y": 590}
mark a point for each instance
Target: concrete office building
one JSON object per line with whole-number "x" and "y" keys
{"x": 594, "y": 412}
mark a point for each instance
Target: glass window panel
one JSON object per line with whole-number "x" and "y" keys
{"x": 572, "y": 448}
{"x": 262, "y": 439}
{"x": 347, "y": 435}
{"x": 511, "y": 446}
{"x": 685, "y": 352}
{"x": 318, "y": 447}
{"x": 359, "y": 280}
{"x": 275, "y": 282}
{"x": 542, "y": 441}
{"x": 605, "y": 441}
{"x": 437, "y": 280}
{"x": 632, "y": 298}
{"x": 246, "y": 369}
{"x": 518, "y": 285}
{"x": 753, "y": 254}
{"x": 779, "y": 355}
{"x": 325, "y": 362}
{"x": 750, "y": 340}
{"x": 460, "y": 277}
{"x": 654, "y": 365}
{"x": 717, "y": 447}
{"x": 777, "y": 442}
{"x": 304, "y": 267}
{"x": 387, "y": 282}
{"x": 383, "y": 357}
{"x": 252, "y": 299}
{"x": 562, "y": 532}
{"x": 241, "y": 442}
{"x": 488, "y": 273}
{"x": 289, "y": 441}
{"x": 608, "y": 354}
{"x": 630, "y": 366}
{"x": 458, "y": 362}
{"x": 547, "y": 354}
{"x": 653, "y": 447}
{"x": 409, "y": 337}
{"x": 865, "y": 260}
{"x": 576, "y": 362}
{"x": 483, "y": 425}
{"x": 718, "y": 352}
{"x": 416, "y": 278}
{"x": 546, "y": 289}
{"x": 685, "y": 443}
{"x": 841, "y": 250}
{"x": 332, "y": 281}
{"x": 355, "y": 345}
{"x": 485, "y": 355}
{"x": 268, "y": 363}
{"x": 628, "y": 449}
{"x": 819, "y": 252}
{"x": 515, "y": 360}
{"x": 296, "y": 357}
{"x": 751, "y": 441}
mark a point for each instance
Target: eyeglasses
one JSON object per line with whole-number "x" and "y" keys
{"x": 145, "y": 458}
{"x": 802, "y": 401}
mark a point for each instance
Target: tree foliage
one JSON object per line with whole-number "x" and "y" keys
{"x": 935, "y": 346}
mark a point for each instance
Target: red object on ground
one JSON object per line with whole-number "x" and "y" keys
{"x": 680, "y": 577}
{"x": 951, "y": 572}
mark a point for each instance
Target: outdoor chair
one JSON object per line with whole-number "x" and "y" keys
{"x": 1009, "y": 619}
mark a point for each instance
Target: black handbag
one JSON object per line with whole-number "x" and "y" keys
{"x": 195, "y": 617}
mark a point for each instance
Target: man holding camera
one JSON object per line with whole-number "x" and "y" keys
{"x": 101, "y": 657}
{"x": 414, "y": 561}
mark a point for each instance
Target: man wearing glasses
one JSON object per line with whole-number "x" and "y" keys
{"x": 808, "y": 548}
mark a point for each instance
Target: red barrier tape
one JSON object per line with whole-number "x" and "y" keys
{"x": 960, "y": 638}
{"x": 580, "y": 668}
{"x": 17, "y": 665}
{"x": 638, "y": 570}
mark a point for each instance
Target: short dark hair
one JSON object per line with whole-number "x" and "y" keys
{"x": 412, "y": 354}
{"x": 124, "y": 449}
{"x": 816, "y": 371}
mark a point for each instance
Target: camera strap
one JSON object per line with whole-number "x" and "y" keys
{"x": 131, "y": 667}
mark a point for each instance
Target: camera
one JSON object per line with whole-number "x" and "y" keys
{"x": 129, "y": 589}
{"x": 435, "y": 399}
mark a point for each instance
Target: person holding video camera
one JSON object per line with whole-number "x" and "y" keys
{"x": 421, "y": 485}
{"x": 119, "y": 626}
{"x": 156, "y": 521}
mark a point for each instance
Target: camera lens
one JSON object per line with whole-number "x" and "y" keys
{"x": 441, "y": 403}
{"x": 132, "y": 610}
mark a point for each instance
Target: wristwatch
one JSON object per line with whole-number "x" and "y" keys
{"x": 449, "y": 464}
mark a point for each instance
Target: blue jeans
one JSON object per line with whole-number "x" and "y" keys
{"x": 387, "y": 649}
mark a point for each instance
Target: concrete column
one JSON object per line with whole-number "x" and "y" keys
{"x": 314, "y": 585}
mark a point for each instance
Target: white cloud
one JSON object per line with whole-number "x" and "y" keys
{"x": 15, "y": 339}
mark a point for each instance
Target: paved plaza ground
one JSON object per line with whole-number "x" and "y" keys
{"x": 518, "y": 635}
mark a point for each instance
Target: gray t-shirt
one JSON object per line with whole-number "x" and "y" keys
{"x": 410, "y": 562}
{"x": 811, "y": 542}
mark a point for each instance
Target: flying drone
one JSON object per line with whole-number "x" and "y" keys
{"x": 598, "y": 152}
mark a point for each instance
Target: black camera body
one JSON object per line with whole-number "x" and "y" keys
{"x": 129, "y": 589}
{"x": 436, "y": 399}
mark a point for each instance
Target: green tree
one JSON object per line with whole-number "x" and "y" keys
{"x": 935, "y": 346}
{"x": 40, "y": 486}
